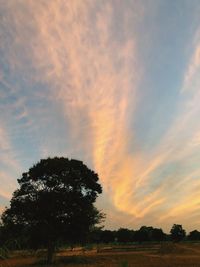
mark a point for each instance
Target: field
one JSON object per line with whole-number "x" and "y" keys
{"x": 152, "y": 255}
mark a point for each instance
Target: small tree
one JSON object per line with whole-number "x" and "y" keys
{"x": 107, "y": 236}
{"x": 55, "y": 200}
{"x": 194, "y": 235}
{"x": 143, "y": 234}
{"x": 158, "y": 235}
{"x": 177, "y": 233}
{"x": 124, "y": 235}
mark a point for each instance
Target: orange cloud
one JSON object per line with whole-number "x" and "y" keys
{"x": 94, "y": 80}
{"x": 93, "y": 77}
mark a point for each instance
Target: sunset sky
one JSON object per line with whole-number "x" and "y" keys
{"x": 114, "y": 83}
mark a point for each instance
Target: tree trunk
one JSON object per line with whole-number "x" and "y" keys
{"x": 50, "y": 252}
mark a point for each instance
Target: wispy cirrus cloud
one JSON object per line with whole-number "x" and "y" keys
{"x": 93, "y": 77}
{"x": 9, "y": 166}
{"x": 175, "y": 158}
{"x": 83, "y": 72}
{"x": 72, "y": 85}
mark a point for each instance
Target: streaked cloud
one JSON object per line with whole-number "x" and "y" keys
{"x": 9, "y": 166}
{"x": 74, "y": 82}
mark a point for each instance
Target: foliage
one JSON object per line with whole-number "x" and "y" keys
{"x": 123, "y": 264}
{"x": 143, "y": 234}
{"x": 4, "y": 253}
{"x": 55, "y": 200}
{"x": 157, "y": 234}
{"x": 107, "y": 236}
{"x": 125, "y": 235}
{"x": 194, "y": 235}
{"x": 177, "y": 233}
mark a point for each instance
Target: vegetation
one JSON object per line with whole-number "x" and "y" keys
{"x": 54, "y": 207}
{"x": 177, "y": 233}
{"x": 194, "y": 235}
{"x": 54, "y": 202}
{"x": 144, "y": 234}
{"x": 149, "y": 254}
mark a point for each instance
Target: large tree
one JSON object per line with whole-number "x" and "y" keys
{"x": 55, "y": 199}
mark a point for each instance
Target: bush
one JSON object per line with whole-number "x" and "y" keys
{"x": 4, "y": 253}
{"x": 123, "y": 264}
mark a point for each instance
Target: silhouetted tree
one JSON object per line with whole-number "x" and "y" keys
{"x": 157, "y": 235}
{"x": 148, "y": 233}
{"x": 107, "y": 236}
{"x": 177, "y": 233}
{"x": 194, "y": 235}
{"x": 95, "y": 235}
{"x": 124, "y": 235}
{"x": 55, "y": 199}
{"x": 1, "y": 234}
{"x": 143, "y": 234}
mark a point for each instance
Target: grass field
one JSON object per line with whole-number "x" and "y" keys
{"x": 152, "y": 255}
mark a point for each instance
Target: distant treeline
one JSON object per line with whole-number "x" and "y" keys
{"x": 100, "y": 236}
{"x": 144, "y": 234}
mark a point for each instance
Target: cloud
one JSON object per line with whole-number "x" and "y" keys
{"x": 94, "y": 78}
{"x": 191, "y": 79}
{"x": 6, "y": 154}
{"x": 174, "y": 162}
{"x": 9, "y": 166}
{"x": 80, "y": 81}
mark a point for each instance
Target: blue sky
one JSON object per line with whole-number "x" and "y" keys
{"x": 115, "y": 84}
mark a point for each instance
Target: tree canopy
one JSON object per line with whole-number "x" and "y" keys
{"x": 194, "y": 235}
{"x": 177, "y": 233}
{"x": 55, "y": 200}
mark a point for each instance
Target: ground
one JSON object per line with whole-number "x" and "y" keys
{"x": 151, "y": 255}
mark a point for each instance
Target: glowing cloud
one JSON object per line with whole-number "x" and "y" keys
{"x": 73, "y": 88}
{"x": 92, "y": 76}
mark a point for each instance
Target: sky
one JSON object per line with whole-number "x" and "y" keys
{"x": 115, "y": 84}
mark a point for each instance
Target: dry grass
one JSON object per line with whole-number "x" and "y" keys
{"x": 165, "y": 255}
